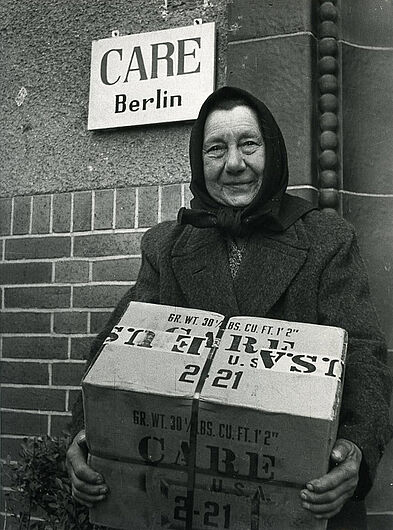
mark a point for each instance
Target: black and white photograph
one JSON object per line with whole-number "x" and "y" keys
{"x": 196, "y": 265}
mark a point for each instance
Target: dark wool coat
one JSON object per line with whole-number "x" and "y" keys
{"x": 310, "y": 273}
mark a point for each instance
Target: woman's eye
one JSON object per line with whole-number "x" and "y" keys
{"x": 249, "y": 147}
{"x": 216, "y": 151}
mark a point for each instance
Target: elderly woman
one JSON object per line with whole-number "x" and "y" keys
{"x": 247, "y": 248}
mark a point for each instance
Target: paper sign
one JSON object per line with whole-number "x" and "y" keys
{"x": 155, "y": 77}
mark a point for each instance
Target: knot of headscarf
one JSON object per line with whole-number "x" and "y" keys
{"x": 229, "y": 220}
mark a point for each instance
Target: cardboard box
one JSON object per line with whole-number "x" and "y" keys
{"x": 214, "y": 423}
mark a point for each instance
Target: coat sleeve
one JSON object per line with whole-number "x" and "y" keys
{"x": 344, "y": 301}
{"x": 146, "y": 289}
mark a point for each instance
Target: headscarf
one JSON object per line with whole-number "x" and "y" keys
{"x": 271, "y": 209}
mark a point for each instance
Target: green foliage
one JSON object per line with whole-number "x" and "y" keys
{"x": 41, "y": 488}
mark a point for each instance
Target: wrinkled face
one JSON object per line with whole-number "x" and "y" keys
{"x": 233, "y": 156}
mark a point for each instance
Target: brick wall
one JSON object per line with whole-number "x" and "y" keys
{"x": 66, "y": 259}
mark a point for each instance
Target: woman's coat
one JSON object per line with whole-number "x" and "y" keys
{"x": 311, "y": 273}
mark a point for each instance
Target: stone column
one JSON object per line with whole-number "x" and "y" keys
{"x": 367, "y": 167}
{"x": 329, "y": 107}
{"x": 367, "y": 125}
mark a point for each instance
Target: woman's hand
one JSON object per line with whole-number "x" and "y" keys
{"x": 326, "y": 496}
{"x": 88, "y": 486}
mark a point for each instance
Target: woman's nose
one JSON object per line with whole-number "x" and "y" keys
{"x": 234, "y": 162}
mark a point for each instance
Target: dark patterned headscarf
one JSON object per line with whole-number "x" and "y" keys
{"x": 271, "y": 209}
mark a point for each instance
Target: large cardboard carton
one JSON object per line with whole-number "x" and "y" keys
{"x": 200, "y": 422}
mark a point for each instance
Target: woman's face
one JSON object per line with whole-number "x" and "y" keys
{"x": 233, "y": 156}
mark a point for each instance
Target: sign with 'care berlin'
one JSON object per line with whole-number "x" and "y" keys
{"x": 156, "y": 77}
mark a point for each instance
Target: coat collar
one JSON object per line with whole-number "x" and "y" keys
{"x": 200, "y": 264}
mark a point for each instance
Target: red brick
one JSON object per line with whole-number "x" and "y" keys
{"x": 33, "y": 398}
{"x": 67, "y": 374}
{"x": 35, "y": 347}
{"x": 38, "y": 247}
{"x": 147, "y": 206}
{"x": 125, "y": 208}
{"x": 170, "y": 201}
{"x": 61, "y": 212}
{"x": 116, "y": 270}
{"x": 41, "y": 214}
{"x": 72, "y": 271}
{"x": 73, "y": 397}
{"x": 14, "y": 273}
{"x": 107, "y": 245}
{"x": 187, "y": 195}
{"x": 98, "y": 321}
{"x": 10, "y": 448}
{"x": 24, "y": 322}
{"x": 103, "y": 209}
{"x": 70, "y": 322}
{"x": 80, "y": 347}
{"x": 82, "y": 211}
{"x": 5, "y": 217}
{"x": 98, "y": 295}
{"x": 60, "y": 425}
{"x": 38, "y": 297}
{"x": 24, "y": 373}
{"x": 24, "y": 423}
{"x": 21, "y": 221}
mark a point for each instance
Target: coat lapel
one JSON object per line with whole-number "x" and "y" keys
{"x": 267, "y": 269}
{"x": 200, "y": 264}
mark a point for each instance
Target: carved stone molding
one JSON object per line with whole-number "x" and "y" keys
{"x": 328, "y": 84}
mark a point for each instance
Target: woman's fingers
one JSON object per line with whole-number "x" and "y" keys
{"x": 88, "y": 486}
{"x": 329, "y": 496}
{"x": 325, "y": 496}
